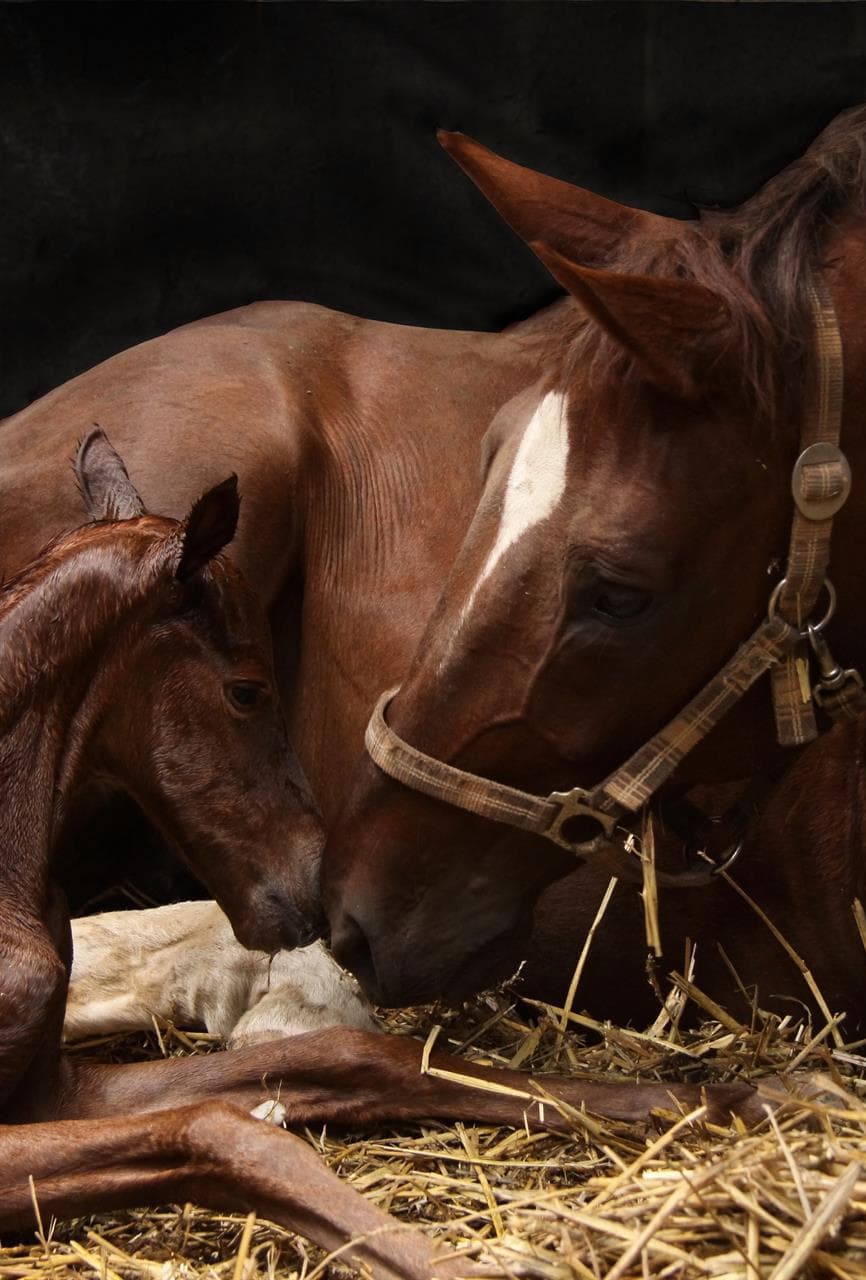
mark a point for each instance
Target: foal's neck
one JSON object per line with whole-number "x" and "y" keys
{"x": 58, "y": 620}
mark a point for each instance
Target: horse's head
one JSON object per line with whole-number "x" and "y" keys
{"x": 633, "y": 522}
{"x": 190, "y": 722}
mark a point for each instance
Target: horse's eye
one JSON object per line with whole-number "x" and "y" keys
{"x": 621, "y": 604}
{"x": 245, "y": 695}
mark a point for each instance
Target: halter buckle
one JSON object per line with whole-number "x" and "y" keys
{"x": 821, "y": 481}
{"x": 574, "y": 804}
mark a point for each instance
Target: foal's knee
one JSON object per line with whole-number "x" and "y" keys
{"x": 212, "y": 1128}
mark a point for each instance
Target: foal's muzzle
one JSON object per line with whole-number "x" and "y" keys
{"x": 272, "y": 921}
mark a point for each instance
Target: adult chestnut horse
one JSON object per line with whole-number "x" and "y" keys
{"x": 593, "y": 506}
{"x": 632, "y": 531}
{"x": 132, "y": 650}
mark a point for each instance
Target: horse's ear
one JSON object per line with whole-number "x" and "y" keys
{"x": 577, "y": 223}
{"x": 671, "y": 327}
{"x": 209, "y": 527}
{"x": 105, "y": 486}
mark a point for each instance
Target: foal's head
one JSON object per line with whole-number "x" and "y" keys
{"x": 165, "y": 671}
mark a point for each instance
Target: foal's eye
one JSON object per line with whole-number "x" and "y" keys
{"x": 621, "y": 604}
{"x": 245, "y": 695}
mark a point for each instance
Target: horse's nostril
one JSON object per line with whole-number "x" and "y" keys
{"x": 350, "y": 948}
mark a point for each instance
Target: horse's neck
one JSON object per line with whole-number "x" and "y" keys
{"x": 393, "y": 482}
{"x": 54, "y": 633}
{"x": 395, "y": 445}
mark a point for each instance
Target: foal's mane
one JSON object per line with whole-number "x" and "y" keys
{"x": 76, "y": 591}
{"x": 760, "y": 258}
{"x": 100, "y": 537}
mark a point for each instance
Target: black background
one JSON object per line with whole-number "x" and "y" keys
{"x": 164, "y": 161}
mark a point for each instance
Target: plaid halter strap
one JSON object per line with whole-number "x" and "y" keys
{"x": 782, "y": 644}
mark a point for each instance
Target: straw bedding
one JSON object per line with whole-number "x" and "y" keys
{"x": 684, "y": 1199}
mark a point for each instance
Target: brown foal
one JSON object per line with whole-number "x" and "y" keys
{"x": 131, "y": 650}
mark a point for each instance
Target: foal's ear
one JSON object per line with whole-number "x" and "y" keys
{"x": 105, "y": 486}
{"x": 209, "y": 527}
{"x": 577, "y": 223}
{"x": 676, "y": 330}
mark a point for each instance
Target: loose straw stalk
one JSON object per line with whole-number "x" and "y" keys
{"x": 650, "y": 893}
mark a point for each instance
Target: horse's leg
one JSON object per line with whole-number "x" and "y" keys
{"x": 216, "y": 1155}
{"x": 342, "y": 1076}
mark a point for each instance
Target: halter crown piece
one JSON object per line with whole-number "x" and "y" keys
{"x": 782, "y": 644}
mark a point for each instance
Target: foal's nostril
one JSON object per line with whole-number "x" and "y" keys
{"x": 293, "y": 928}
{"x": 350, "y": 948}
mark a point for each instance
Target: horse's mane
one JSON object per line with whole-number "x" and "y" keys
{"x": 775, "y": 238}
{"x": 763, "y": 252}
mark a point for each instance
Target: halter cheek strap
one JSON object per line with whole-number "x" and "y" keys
{"x": 820, "y": 484}
{"x": 782, "y": 644}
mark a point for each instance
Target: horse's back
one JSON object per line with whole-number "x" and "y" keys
{"x": 185, "y": 409}
{"x": 251, "y": 391}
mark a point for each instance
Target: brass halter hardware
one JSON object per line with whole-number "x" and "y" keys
{"x": 576, "y": 804}
{"x": 819, "y": 501}
{"x": 820, "y": 483}
{"x": 810, "y": 627}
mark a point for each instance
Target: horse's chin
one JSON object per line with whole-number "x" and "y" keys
{"x": 500, "y": 961}
{"x": 488, "y": 967}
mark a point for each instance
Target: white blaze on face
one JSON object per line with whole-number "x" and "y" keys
{"x": 534, "y": 489}
{"x": 536, "y": 481}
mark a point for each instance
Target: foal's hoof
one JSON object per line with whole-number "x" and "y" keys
{"x": 744, "y": 1101}
{"x": 810, "y": 1089}
{"x": 723, "y": 1102}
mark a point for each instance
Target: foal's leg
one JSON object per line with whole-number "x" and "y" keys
{"x": 218, "y": 1156}
{"x": 347, "y": 1077}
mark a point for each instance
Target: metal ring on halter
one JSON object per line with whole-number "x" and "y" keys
{"x": 773, "y": 605}
{"x": 721, "y": 867}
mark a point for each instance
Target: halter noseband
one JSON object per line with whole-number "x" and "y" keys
{"x": 820, "y": 482}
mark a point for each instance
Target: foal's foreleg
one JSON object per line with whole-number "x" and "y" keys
{"x": 216, "y": 1155}
{"x": 33, "y": 978}
{"x": 357, "y": 1078}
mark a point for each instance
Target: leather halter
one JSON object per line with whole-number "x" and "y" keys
{"x": 781, "y": 644}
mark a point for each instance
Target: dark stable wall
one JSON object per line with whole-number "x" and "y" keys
{"x": 162, "y": 162}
